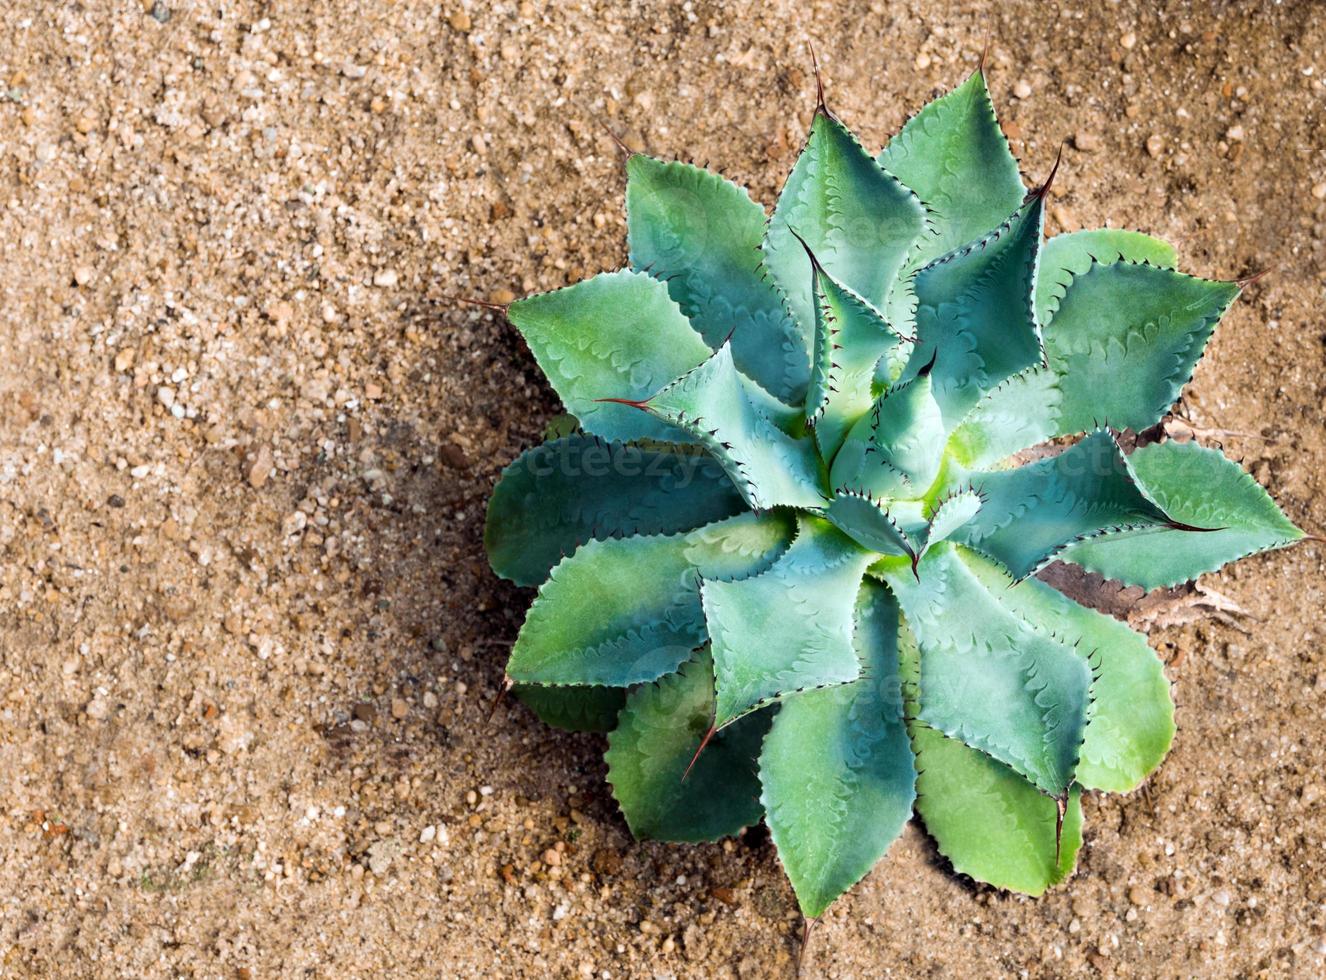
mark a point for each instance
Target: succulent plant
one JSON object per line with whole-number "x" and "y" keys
{"x": 787, "y": 554}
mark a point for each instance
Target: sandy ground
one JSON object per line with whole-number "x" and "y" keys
{"x": 247, "y": 630}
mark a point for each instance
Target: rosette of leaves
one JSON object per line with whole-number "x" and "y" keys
{"x": 788, "y": 557}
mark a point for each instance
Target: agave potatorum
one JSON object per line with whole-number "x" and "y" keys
{"x": 792, "y": 528}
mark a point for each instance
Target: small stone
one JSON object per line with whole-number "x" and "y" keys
{"x": 260, "y": 467}
{"x": 399, "y": 708}
{"x": 160, "y": 12}
{"x": 97, "y": 709}
{"x": 1222, "y": 898}
{"x": 83, "y": 274}
{"x": 85, "y": 123}
{"x": 1319, "y": 190}
{"x": 1155, "y": 145}
{"x": 1086, "y": 142}
{"x": 606, "y": 862}
{"x": 1139, "y": 895}
{"x": 124, "y": 359}
{"x": 502, "y": 297}
{"x": 386, "y": 278}
{"x": 1128, "y": 41}
{"x": 1234, "y": 133}
{"x": 166, "y": 395}
{"x": 724, "y": 894}
{"x": 460, "y": 21}
{"x": 380, "y": 855}
{"x": 1310, "y": 794}
{"x": 372, "y": 391}
{"x": 1021, "y": 88}
{"x": 428, "y": 834}
{"x": 552, "y": 858}
{"x": 922, "y": 61}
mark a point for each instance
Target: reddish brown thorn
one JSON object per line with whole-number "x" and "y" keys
{"x": 481, "y": 303}
{"x": 1254, "y": 278}
{"x": 625, "y": 150}
{"x": 1044, "y": 189}
{"x": 819, "y": 81}
{"x": 985, "y": 54}
{"x": 806, "y": 931}
{"x": 644, "y": 405}
{"x": 813, "y": 261}
{"x": 1060, "y": 809}
{"x": 696, "y": 758}
{"x": 1180, "y": 526}
{"x": 916, "y": 561}
{"x": 507, "y": 685}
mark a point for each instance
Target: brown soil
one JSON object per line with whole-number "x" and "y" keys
{"x": 247, "y": 631}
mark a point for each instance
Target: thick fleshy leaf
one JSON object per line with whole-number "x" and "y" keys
{"x": 655, "y": 740}
{"x": 574, "y": 709}
{"x": 700, "y": 233}
{"x": 955, "y": 157}
{"x": 987, "y": 679}
{"x": 1033, "y": 512}
{"x": 897, "y": 449}
{"x": 850, "y": 338}
{"x": 1066, "y": 256}
{"x": 858, "y": 220}
{"x": 617, "y": 335}
{"x": 711, "y": 406}
{"x": 837, "y": 770}
{"x": 975, "y": 325}
{"x": 1131, "y": 721}
{"x": 865, "y": 521}
{"x": 951, "y": 514}
{"x": 989, "y": 822}
{"x": 557, "y": 496}
{"x": 1021, "y": 412}
{"x": 1124, "y": 341}
{"x": 1196, "y": 486}
{"x": 622, "y": 611}
{"x": 790, "y": 628}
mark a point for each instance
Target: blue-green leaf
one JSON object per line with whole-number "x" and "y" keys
{"x": 990, "y": 822}
{"x": 622, "y": 611}
{"x": 1124, "y": 341}
{"x": 987, "y": 679}
{"x": 954, "y": 156}
{"x": 975, "y": 325}
{"x": 896, "y": 450}
{"x": 574, "y": 709}
{"x": 557, "y": 496}
{"x": 850, "y": 338}
{"x": 858, "y": 220}
{"x": 790, "y": 628}
{"x": 865, "y": 521}
{"x": 659, "y": 731}
{"x": 1066, "y": 256}
{"x": 1131, "y": 721}
{"x": 711, "y": 405}
{"x": 1033, "y": 512}
{"x": 700, "y": 234}
{"x": 837, "y": 768}
{"x": 617, "y": 335}
{"x": 1019, "y": 413}
{"x": 1199, "y": 487}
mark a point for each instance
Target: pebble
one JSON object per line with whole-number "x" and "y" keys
{"x": 83, "y": 274}
{"x": 260, "y": 467}
{"x": 1155, "y": 145}
{"x": 428, "y": 834}
{"x": 166, "y": 395}
{"x": 124, "y": 359}
{"x": 380, "y": 855}
{"x": 386, "y": 278}
{"x": 552, "y": 858}
{"x": 399, "y": 708}
{"x": 1222, "y": 898}
{"x": 1139, "y": 895}
{"x": 97, "y": 709}
{"x": 1319, "y": 190}
{"x": 1086, "y": 142}
{"x": 1021, "y": 88}
{"x": 461, "y": 21}
{"x": 923, "y": 60}
{"x": 1128, "y": 41}
{"x": 1234, "y": 133}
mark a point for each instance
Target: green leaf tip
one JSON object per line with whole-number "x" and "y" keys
{"x": 786, "y": 541}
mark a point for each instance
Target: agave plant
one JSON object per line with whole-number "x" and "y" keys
{"x": 788, "y": 555}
